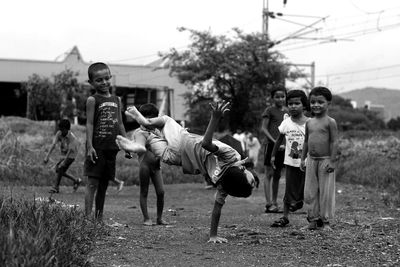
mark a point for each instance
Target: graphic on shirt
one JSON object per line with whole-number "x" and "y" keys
{"x": 295, "y": 151}
{"x": 107, "y": 119}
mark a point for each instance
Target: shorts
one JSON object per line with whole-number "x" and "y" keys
{"x": 279, "y": 156}
{"x": 294, "y": 191}
{"x": 63, "y": 165}
{"x": 104, "y": 167}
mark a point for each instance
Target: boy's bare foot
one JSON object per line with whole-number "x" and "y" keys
{"x": 162, "y": 222}
{"x": 128, "y": 145}
{"x": 135, "y": 114}
{"x": 148, "y": 223}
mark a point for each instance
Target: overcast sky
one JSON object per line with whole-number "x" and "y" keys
{"x": 134, "y": 31}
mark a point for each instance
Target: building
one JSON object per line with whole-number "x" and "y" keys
{"x": 136, "y": 84}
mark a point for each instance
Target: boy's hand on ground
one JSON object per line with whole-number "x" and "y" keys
{"x": 216, "y": 240}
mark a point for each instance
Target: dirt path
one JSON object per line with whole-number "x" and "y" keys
{"x": 366, "y": 231}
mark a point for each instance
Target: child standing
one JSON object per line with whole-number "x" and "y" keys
{"x": 150, "y": 169}
{"x": 271, "y": 119}
{"x": 104, "y": 123}
{"x": 69, "y": 145}
{"x": 320, "y": 148}
{"x": 293, "y": 130}
{"x": 198, "y": 154}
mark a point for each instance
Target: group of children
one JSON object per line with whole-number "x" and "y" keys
{"x": 160, "y": 138}
{"x": 307, "y": 148}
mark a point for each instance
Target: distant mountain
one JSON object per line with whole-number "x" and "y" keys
{"x": 378, "y": 96}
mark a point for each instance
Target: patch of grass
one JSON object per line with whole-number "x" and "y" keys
{"x": 44, "y": 232}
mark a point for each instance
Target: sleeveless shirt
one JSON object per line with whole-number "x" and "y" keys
{"x": 105, "y": 123}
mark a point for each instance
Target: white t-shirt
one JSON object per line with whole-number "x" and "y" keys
{"x": 294, "y": 135}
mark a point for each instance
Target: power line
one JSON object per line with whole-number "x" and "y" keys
{"x": 361, "y": 71}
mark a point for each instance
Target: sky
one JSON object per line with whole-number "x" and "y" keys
{"x": 353, "y": 43}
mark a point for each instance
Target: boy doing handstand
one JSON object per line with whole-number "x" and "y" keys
{"x": 320, "y": 148}
{"x": 198, "y": 154}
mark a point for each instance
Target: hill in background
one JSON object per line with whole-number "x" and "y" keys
{"x": 378, "y": 96}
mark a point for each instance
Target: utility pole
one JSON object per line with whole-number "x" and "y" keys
{"x": 265, "y": 15}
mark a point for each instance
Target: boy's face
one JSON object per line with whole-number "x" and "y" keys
{"x": 250, "y": 178}
{"x": 295, "y": 106}
{"x": 318, "y": 104}
{"x": 279, "y": 98}
{"x": 101, "y": 81}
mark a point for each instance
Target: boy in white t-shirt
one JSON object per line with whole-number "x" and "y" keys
{"x": 292, "y": 129}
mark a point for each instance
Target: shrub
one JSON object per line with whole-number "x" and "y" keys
{"x": 44, "y": 233}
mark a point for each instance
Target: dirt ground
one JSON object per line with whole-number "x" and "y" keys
{"x": 365, "y": 232}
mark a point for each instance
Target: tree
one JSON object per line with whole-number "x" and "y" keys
{"x": 394, "y": 124}
{"x": 240, "y": 69}
{"x": 52, "y": 99}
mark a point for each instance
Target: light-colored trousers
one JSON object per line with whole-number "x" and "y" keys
{"x": 319, "y": 190}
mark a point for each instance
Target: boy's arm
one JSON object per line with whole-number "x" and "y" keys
{"x": 264, "y": 129}
{"x": 215, "y": 216}
{"x": 333, "y": 141}
{"x": 218, "y": 109}
{"x": 277, "y": 144}
{"x": 90, "y": 106}
{"x": 53, "y": 145}
{"x": 305, "y": 149}
{"x": 151, "y": 122}
{"x": 122, "y": 130}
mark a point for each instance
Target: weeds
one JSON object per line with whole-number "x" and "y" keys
{"x": 44, "y": 232}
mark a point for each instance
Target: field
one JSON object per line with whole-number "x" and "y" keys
{"x": 365, "y": 231}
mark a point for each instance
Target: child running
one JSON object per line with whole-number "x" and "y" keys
{"x": 293, "y": 130}
{"x": 69, "y": 145}
{"x": 320, "y": 148}
{"x": 198, "y": 154}
{"x": 103, "y": 124}
{"x": 271, "y": 119}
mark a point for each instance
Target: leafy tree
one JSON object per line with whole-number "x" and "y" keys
{"x": 240, "y": 69}
{"x": 55, "y": 97}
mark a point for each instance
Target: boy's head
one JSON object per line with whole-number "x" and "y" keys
{"x": 278, "y": 95}
{"x": 238, "y": 181}
{"x": 297, "y": 102}
{"x": 320, "y": 98}
{"x": 100, "y": 77}
{"x": 149, "y": 110}
{"x": 64, "y": 126}
{"x": 321, "y": 91}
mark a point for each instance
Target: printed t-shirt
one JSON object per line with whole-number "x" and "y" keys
{"x": 294, "y": 135}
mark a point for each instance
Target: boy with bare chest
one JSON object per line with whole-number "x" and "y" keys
{"x": 320, "y": 149}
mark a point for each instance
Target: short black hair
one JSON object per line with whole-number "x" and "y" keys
{"x": 64, "y": 124}
{"x": 298, "y": 93}
{"x": 96, "y": 67}
{"x": 279, "y": 88}
{"x": 323, "y": 91}
{"x": 149, "y": 110}
{"x": 234, "y": 182}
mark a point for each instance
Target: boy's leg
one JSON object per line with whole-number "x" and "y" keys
{"x": 311, "y": 191}
{"x": 100, "y": 198}
{"x": 326, "y": 192}
{"x": 276, "y": 176}
{"x": 159, "y": 188}
{"x": 91, "y": 187}
{"x": 144, "y": 179}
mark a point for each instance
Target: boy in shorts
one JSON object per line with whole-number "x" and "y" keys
{"x": 69, "y": 145}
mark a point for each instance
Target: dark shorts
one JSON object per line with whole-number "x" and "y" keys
{"x": 63, "y": 165}
{"x": 104, "y": 168}
{"x": 279, "y": 156}
{"x": 294, "y": 191}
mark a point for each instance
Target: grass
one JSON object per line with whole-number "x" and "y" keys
{"x": 44, "y": 232}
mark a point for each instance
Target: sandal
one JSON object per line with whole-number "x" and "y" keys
{"x": 272, "y": 209}
{"x": 282, "y": 222}
{"x": 54, "y": 191}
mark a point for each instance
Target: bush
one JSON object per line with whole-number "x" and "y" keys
{"x": 44, "y": 233}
